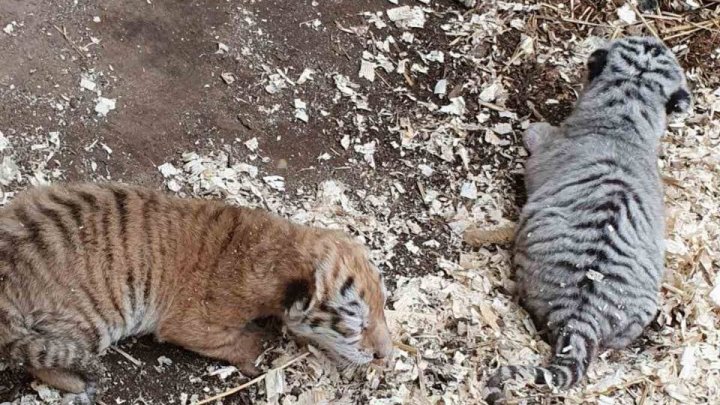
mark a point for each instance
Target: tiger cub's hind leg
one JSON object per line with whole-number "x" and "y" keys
{"x": 85, "y": 388}
{"x": 83, "y": 381}
{"x": 57, "y": 355}
{"x": 61, "y": 379}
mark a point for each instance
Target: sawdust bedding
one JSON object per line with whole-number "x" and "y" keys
{"x": 468, "y": 91}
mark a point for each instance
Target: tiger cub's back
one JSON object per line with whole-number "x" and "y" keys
{"x": 589, "y": 243}
{"x": 100, "y": 253}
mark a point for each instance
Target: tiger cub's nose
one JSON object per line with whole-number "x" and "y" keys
{"x": 383, "y": 352}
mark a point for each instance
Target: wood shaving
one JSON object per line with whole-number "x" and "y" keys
{"x": 420, "y": 119}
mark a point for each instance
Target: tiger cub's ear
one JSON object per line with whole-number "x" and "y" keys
{"x": 536, "y": 134}
{"x": 596, "y": 63}
{"x": 679, "y": 102}
{"x": 302, "y": 295}
{"x": 298, "y": 294}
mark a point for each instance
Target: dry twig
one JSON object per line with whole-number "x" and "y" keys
{"x": 253, "y": 381}
{"x": 644, "y": 21}
{"x": 125, "y": 354}
{"x": 65, "y": 35}
{"x": 478, "y": 237}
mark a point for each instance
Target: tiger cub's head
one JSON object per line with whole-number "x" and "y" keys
{"x": 645, "y": 62}
{"x": 343, "y": 310}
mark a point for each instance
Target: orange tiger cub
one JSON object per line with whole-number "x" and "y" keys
{"x": 85, "y": 265}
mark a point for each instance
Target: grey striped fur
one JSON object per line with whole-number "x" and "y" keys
{"x": 589, "y": 244}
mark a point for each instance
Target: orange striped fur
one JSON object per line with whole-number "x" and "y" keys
{"x": 85, "y": 265}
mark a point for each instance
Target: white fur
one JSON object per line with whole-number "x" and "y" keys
{"x": 344, "y": 349}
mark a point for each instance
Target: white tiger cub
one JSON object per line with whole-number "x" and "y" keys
{"x": 589, "y": 243}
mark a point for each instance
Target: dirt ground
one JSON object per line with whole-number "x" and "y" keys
{"x": 198, "y": 76}
{"x": 158, "y": 60}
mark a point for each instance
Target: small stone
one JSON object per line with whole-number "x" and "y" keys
{"x": 222, "y": 48}
{"x": 252, "y": 144}
{"x": 87, "y": 83}
{"x": 228, "y": 77}
{"x": 164, "y": 361}
{"x": 104, "y": 106}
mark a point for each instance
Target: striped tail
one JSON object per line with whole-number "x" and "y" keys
{"x": 573, "y": 354}
{"x": 43, "y": 344}
{"x": 38, "y": 352}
